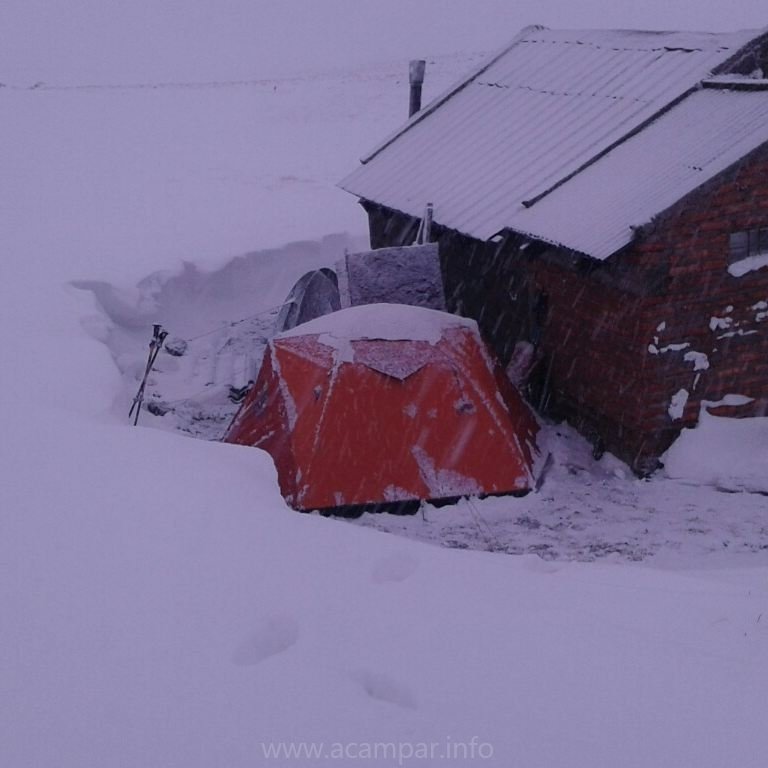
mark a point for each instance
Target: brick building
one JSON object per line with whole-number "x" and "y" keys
{"x": 604, "y": 196}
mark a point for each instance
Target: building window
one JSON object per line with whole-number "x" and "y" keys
{"x": 752, "y": 242}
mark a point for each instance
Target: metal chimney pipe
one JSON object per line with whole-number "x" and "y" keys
{"x": 428, "y": 223}
{"x": 416, "y": 79}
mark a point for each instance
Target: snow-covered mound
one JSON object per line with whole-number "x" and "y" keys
{"x": 391, "y": 322}
{"x": 218, "y": 320}
{"x": 731, "y": 454}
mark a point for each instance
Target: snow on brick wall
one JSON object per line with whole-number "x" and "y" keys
{"x": 613, "y": 359}
{"x": 714, "y": 334}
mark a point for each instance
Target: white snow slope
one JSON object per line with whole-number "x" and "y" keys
{"x": 159, "y": 604}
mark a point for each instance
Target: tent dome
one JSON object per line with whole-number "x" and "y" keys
{"x": 383, "y": 404}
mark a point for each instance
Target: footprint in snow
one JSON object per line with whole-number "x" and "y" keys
{"x": 276, "y": 633}
{"x": 396, "y": 567}
{"x": 383, "y": 688}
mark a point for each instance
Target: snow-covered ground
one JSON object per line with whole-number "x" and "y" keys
{"x": 597, "y": 510}
{"x": 160, "y": 606}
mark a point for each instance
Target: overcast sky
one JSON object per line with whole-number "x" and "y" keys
{"x": 80, "y": 41}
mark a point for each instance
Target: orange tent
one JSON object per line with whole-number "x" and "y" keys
{"x": 383, "y": 404}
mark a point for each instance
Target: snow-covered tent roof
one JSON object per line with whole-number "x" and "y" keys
{"x": 517, "y": 143}
{"x": 390, "y": 322}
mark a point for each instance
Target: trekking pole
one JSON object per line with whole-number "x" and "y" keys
{"x": 155, "y": 345}
{"x": 137, "y": 400}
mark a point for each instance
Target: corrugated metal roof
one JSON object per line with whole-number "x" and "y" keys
{"x": 535, "y": 115}
{"x": 691, "y": 143}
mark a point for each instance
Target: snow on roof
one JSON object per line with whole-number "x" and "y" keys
{"x": 532, "y": 117}
{"x": 391, "y": 322}
{"x": 737, "y": 82}
{"x": 595, "y": 211}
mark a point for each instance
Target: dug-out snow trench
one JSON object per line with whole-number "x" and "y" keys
{"x": 219, "y": 319}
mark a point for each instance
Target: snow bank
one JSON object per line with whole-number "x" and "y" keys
{"x": 162, "y": 608}
{"x": 727, "y": 453}
{"x": 390, "y": 322}
{"x": 222, "y": 317}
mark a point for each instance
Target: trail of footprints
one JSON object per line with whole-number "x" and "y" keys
{"x": 277, "y": 633}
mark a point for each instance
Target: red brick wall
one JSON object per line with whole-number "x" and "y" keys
{"x": 597, "y": 366}
{"x": 614, "y": 374}
{"x": 704, "y": 306}
{"x": 591, "y": 350}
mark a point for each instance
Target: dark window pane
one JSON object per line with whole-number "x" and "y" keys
{"x": 739, "y": 245}
{"x": 762, "y": 240}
